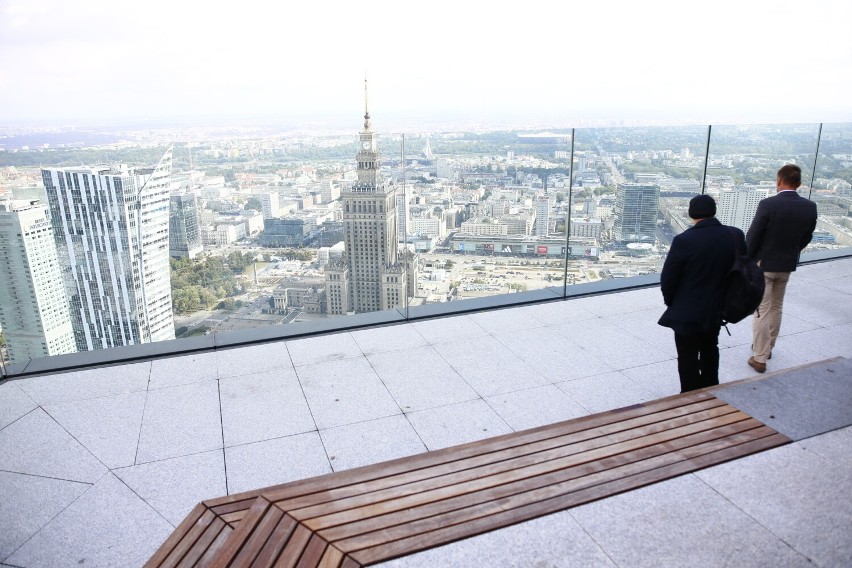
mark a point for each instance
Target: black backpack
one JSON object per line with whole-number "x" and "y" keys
{"x": 744, "y": 287}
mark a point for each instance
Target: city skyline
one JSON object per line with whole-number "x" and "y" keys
{"x": 611, "y": 61}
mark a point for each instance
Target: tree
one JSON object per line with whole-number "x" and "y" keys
{"x": 254, "y": 204}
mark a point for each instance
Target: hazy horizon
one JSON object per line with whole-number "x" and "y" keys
{"x": 93, "y": 61}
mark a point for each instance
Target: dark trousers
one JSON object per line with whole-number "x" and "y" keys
{"x": 697, "y": 360}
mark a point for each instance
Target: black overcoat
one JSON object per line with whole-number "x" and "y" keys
{"x": 694, "y": 274}
{"x": 783, "y": 225}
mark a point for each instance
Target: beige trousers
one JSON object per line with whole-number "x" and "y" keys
{"x": 766, "y": 322}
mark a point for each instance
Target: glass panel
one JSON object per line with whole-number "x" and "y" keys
{"x": 832, "y": 188}
{"x": 488, "y": 212}
{"x": 634, "y": 184}
{"x": 744, "y": 160}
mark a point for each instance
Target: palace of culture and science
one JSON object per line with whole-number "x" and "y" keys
{"x": 374, "y": 274}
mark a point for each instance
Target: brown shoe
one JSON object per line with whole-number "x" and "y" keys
{"x": 759, "y": 367}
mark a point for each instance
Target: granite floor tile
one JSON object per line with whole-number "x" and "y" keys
{"x": 622, "y": 302}
{"x": 834, "y": 341}
{"x": 180, "y": 421}
{"x": 389, "y": 338}
{"x": 323, "y": 348}
{"x": 27, "y": 503}
{"x": 554, "y": 541}
{"x": 37, "y": 445}
{"x": 271, "y": 462}
{"x": 252, "y": 359}
{"x": 554, "y": 313}
{"x": 832, "y": 446}
{"x": 605, "y": 392}
{"x": 114, "y": 436}
{"x": 454, "y": 328}
{"x": 89, "y": 383}
{"x": 489, "y": 367}
{"x": 553, "y": 355}
{"x": 174, "y": 486}
{"x": 534, "y": 407}
{"x": 107, "y": 526}
{"x": 793, "y": 493}
{"x": 345, "y": 391}
{"x": 173, "y": 371}
{"x": 420, "y": 379}
{"x": 643, "y": 326}
{"x": 841, "y": 284}
{"x": 505, "y": 320}
{"x": 814, "y": 400}
{"x": 681, "y": 522}
{"x": 263, "y": 406}
{"x": 457, "y": 424}
{"x": 14, "y": 403}
{"x": 371, "y": 442}
{"x": 608, "y": 342}
{"x": 661, "y": 379}
{"x": 818, "y": 305}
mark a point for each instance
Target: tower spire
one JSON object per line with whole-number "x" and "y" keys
{"x": 366, "y": 108}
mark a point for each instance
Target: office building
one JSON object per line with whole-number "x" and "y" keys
{"x": 542, "y": 215}
{"x": 184, "y": 226}
{"x": 737, "y": 206}
{"x": 34, "y": 312}
{"x": 111, "y": 227}
{"x": 636, "y": 209}
{"x": 372, "y": 274}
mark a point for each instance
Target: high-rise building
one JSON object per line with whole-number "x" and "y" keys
{"x": 542, "y": 215}
{"x": 111, "y": 226}
{"x": 34, "y": 312}
{"x": 270, "y": 205}
{"x": 184, "y": 226}
{"x": 636, "y": 208}
{"x": 403, "y": 212}
{"x": 737, "y": 206}
{"x": 372, "y": 275}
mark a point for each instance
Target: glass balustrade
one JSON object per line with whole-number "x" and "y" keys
{"x": 299, "y": 234}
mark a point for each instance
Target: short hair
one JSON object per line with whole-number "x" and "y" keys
{"x": 790, "y": 176}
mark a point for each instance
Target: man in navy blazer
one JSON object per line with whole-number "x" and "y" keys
{"x": 783, "y": 225}
{"x": 692, "y": 283}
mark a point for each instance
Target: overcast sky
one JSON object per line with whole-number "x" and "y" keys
{"x": 717, "y": 60}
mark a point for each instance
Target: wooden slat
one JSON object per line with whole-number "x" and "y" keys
{"x": 215, "y": 547}
{"x": 569, "y": 478}
{"x": 276, "y": 542}
{"x": 555, "y": 438}
{"x": 336, "y": 513}
{"x": 295, "y": 547}
{"x": 200, "y": 547}
{"x": 502, "y": 518}
{"x": 313, "y": 552}
{"x": 234, "y": 517}
{"x": 159, "y": 557}
{"x": 514, "y": 459}
{"x": 242, "y": 533}
{"x": 349, "y": 562}
{"x": 189, "y": 539}
{"x": 259, "y": 536}
{"x": 332, "y": 558}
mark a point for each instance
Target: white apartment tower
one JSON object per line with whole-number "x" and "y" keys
{"x": 372, "y": 276}
{"x": 111, "y": 226}
{"x": 737, "y": 206}
{"x": 34, "y": 311}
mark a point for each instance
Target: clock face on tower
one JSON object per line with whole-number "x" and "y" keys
{"x": 365, "y": 145}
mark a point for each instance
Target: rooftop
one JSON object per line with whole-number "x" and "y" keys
{"x": 97, "y": 466}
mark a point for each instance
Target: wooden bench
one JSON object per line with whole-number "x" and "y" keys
{"x": 378, "y": 512}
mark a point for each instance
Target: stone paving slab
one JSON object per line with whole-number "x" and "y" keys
{"x": 801, "y": 403}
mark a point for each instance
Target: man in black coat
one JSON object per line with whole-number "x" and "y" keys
{"x": 692, "y": 283}
{"x": 783, "y": 225}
